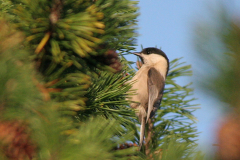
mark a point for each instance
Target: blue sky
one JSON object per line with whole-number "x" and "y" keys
{"x": 170, "y": 25}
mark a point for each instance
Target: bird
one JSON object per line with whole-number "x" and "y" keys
{"x": 149, "y": 83}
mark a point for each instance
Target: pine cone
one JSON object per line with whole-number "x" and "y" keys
{"x": 111, "y": 59}
{"x": 229, "y": 138}
{"x": 15, "y": 141}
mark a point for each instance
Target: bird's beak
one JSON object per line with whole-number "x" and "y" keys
{"x": 137, "y": 54}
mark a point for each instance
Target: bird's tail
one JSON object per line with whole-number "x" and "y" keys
{"x": 142, "y": 131}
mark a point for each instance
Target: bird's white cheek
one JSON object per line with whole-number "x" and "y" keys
{"x": 156, "y": 61}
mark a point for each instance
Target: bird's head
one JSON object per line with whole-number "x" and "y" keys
{"x": 151, "y": 56}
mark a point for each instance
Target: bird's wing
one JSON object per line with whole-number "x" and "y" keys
{"x": 155, "y": 85}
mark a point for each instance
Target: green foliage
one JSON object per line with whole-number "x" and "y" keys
{"x": 120, "y": 23}
{"x": 91, "y": 141}
{"x": 108, "y": 92}
{"x": 176, "y": 100}
{"x": 66, "y": 47}
{"x": 5, "y": 6}
{"x": 174, "y": 149}
{"x": 17, "y": 87}
{"x": 101, "y": 140}
{"x": 22, "y": 100}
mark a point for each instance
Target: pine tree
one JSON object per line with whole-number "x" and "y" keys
{"x": 63, "y": 85}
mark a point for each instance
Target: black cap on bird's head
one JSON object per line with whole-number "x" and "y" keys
{"x": 151, "y": 50}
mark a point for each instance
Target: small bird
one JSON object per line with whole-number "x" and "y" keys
{"x": 149, "y": 83}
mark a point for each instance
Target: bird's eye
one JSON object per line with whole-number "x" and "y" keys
{"x": 148, "y": 51}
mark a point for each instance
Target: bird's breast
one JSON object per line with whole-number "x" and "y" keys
{"x": 140, "y": 85}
